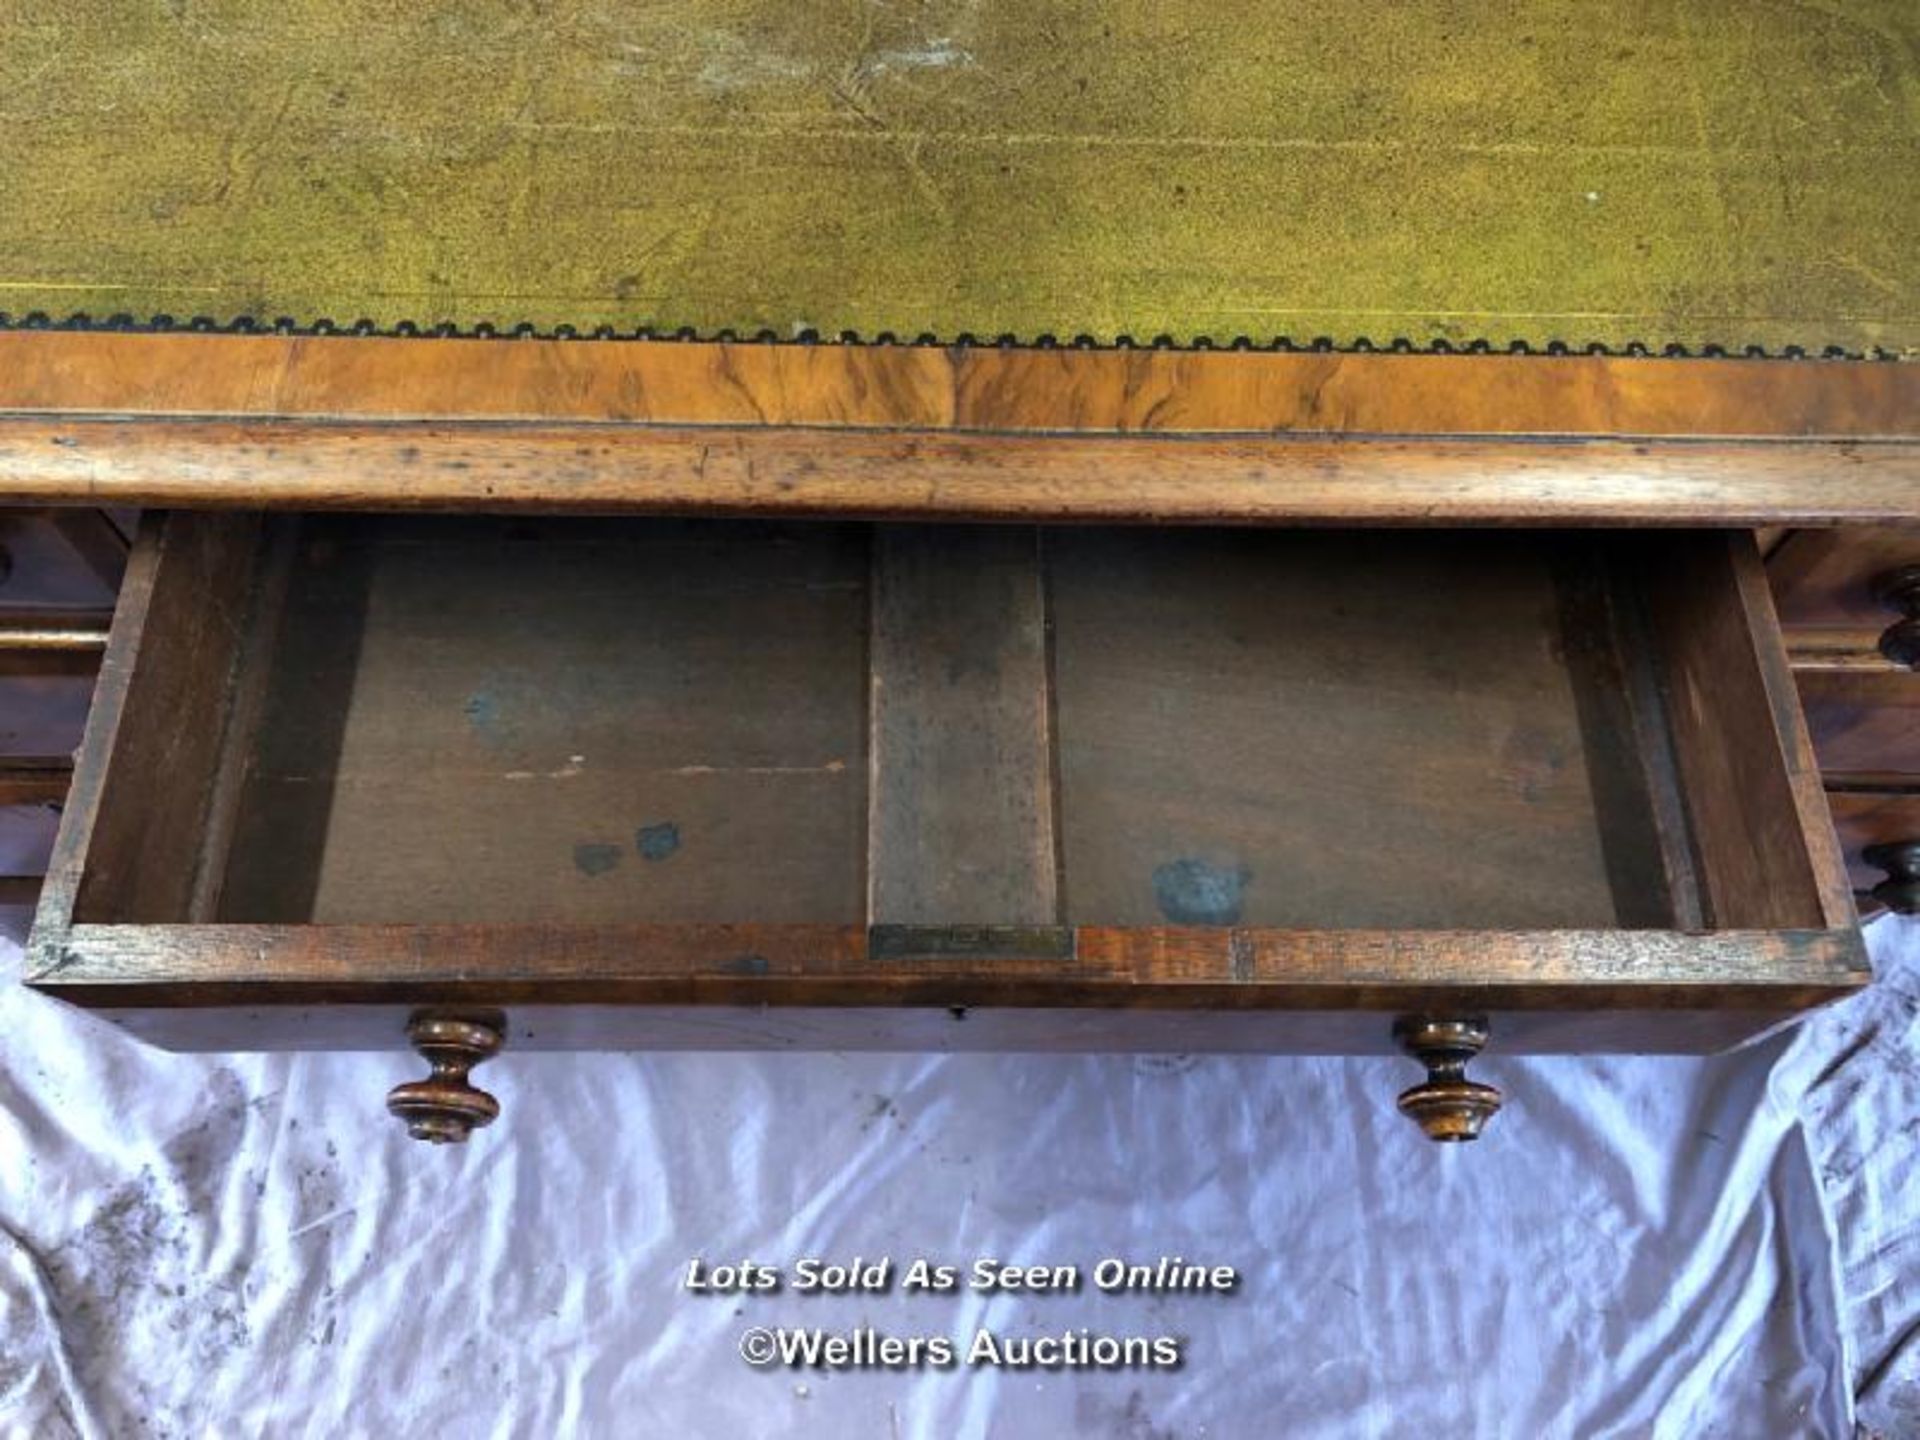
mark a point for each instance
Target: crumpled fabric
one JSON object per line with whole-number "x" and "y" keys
{"x": 234, "y": 1244}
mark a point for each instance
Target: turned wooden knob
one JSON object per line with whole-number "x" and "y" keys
{"x": 444, "y": 1108}
{"x": 1446, "y": 1106}
{"x": 1900, "y": 891}
{"x": 1900, "y": 590}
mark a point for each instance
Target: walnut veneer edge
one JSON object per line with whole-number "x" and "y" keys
{"x": 319, "y": 422}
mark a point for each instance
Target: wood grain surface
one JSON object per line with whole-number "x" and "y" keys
{"x": 961, "y": 810}
{"x": 728, "y": 428}
{"x": 1765, "y": 850}
{"x": 56, "y": 559}
{"x": 880, "y": 474}
{"x": 1167, "y": 967}
{"x": 1863, "y": 720}
{"x": 470, "y": 718}
{"x": 154, "y": 745}
{"x": 935, "y": 388}
{"x": 1823, "y": 579}
{"x": 536, "y": 1025}
{"x": 1866, "y": 817}
{"x": 465, "y": 718}
{"x": 1322, "y": 728}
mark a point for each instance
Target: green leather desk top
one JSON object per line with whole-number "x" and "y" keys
{"x": 1667, "y": 172}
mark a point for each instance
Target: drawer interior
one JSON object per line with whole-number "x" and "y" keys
{"x": 594, "y": 721}
{"x": 1368, "y": 729}
{"x": 446, "y": 720}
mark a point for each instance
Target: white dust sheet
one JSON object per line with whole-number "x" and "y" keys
{"x": 246, "y": 1245}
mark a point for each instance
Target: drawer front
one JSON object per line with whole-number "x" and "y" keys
{"x": 1880, "y": 840}
{"x": 1863, "y": 722}
{"x": 26, "y": 837}
{"x": 60, "y": 559}
{"x": 1824, "y": 579}
{"x": 1851, "y": 601}
{"x": 1003, "y": 787}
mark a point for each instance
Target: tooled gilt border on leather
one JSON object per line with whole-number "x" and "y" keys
{"x": 486, "y": 330}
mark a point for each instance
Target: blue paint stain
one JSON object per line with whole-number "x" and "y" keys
{"x": 657, "y": 842}
{"x": 482, "y": 711}
{"x": 595, "y": 859}
{"x": 1192, "y": 892}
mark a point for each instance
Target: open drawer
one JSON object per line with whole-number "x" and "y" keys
{"x": 712, "y": 784}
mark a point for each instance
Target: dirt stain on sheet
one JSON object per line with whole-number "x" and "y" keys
{"x": 1094, "y": 1414}
{"x": 135, "y": 1265}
